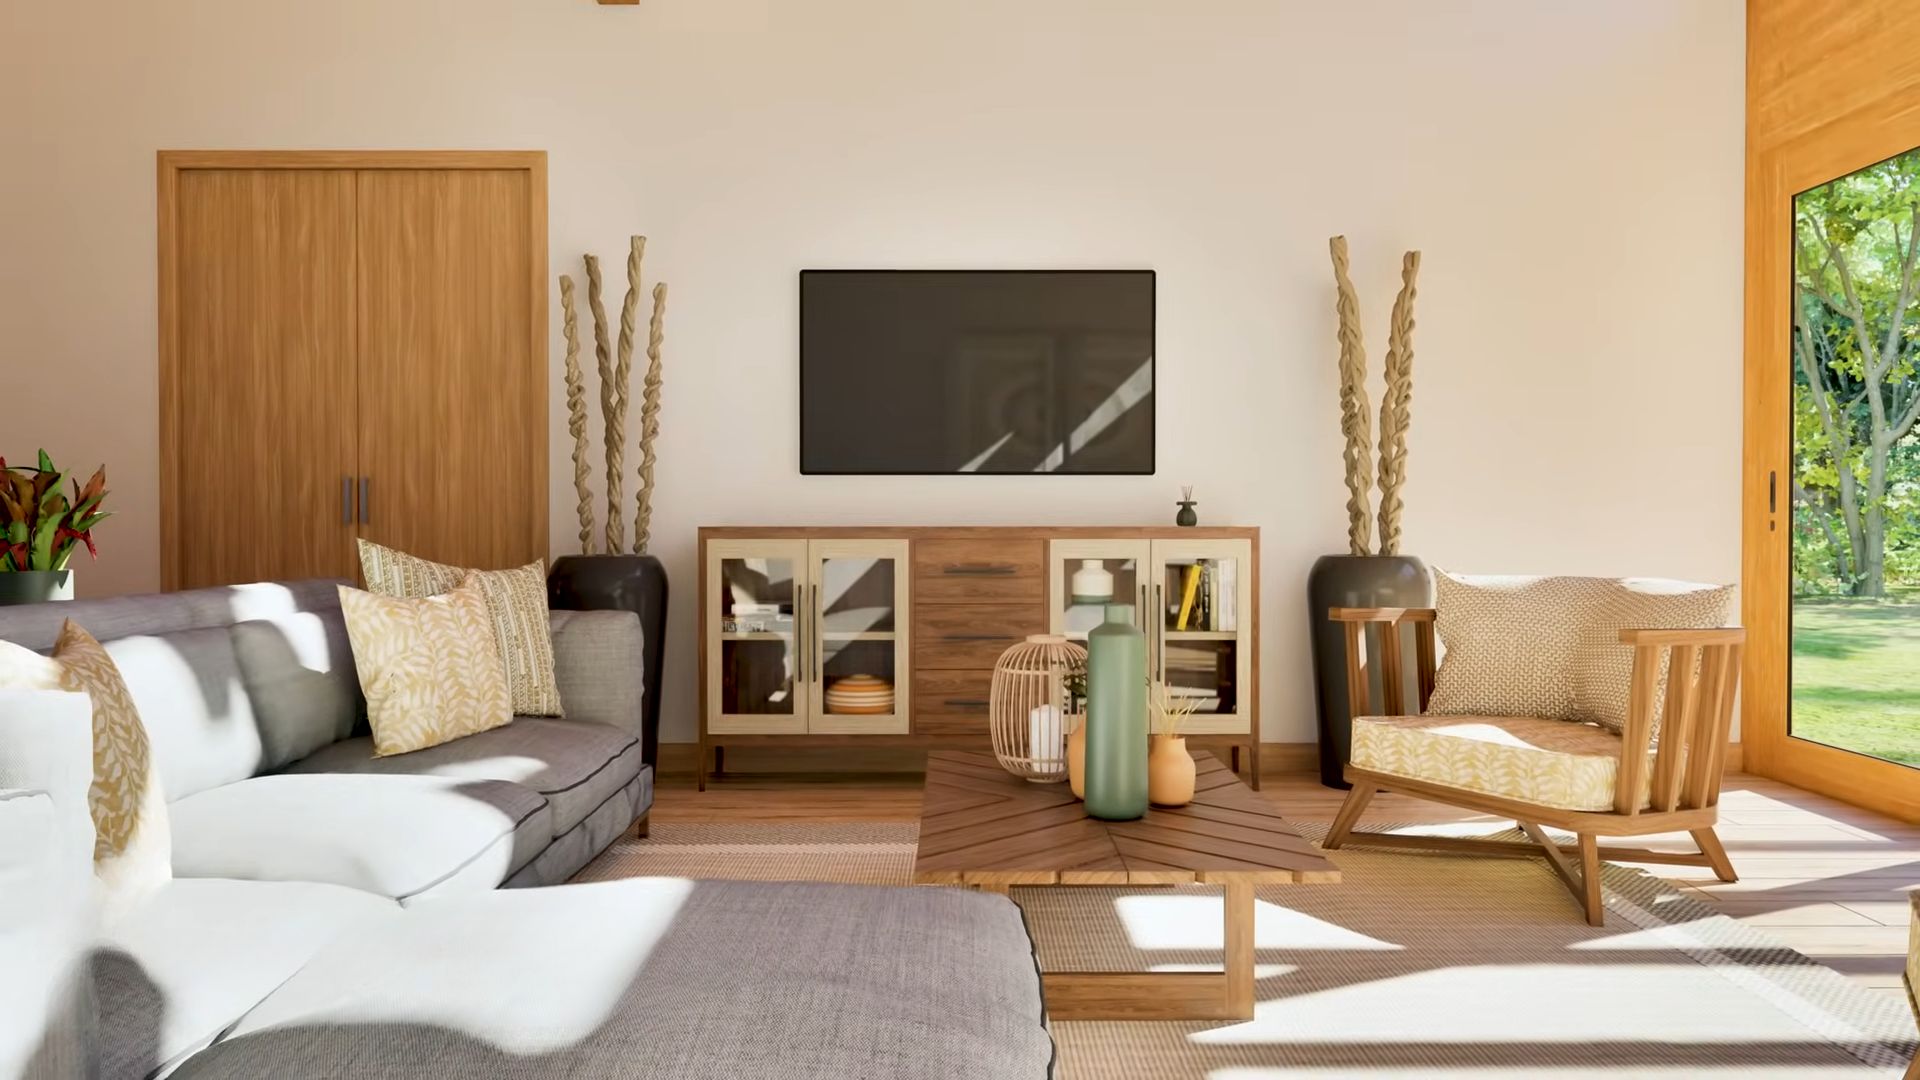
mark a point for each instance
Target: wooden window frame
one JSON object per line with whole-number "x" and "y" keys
{"x": 1775, "y": 175}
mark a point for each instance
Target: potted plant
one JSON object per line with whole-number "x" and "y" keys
{"x": 41, "y": 527}
{"x": 1364, "y": 577}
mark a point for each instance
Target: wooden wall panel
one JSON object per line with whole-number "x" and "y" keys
{"x": 262, "y": 342}
{"x": 1832, "y": 86}
{"x": 452, "y": 407}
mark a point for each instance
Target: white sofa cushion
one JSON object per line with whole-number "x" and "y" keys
{"x": 175, "y": 972}
{"x": 46, "y": 881}
{"x": 403, "y": 837}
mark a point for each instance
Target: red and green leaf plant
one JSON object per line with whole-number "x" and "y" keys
{"x": 40, "y": 525}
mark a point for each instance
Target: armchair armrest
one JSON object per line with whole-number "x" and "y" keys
{"x": 1679, "y": 707}
{"x": 1395, "y": 615}
{"x": 1719, "y": 635}
{"x": 1392, "y": 696}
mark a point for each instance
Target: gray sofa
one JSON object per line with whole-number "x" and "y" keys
{"x": 333, "y": 914}
{"x": 259, "y": 733}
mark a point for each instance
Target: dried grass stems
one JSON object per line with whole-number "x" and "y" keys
{"x": 616, "y": 373}
{"x": 1395, "y": 407}
{"x": 1170, "y": 710}
{"x": 577, "y": 412}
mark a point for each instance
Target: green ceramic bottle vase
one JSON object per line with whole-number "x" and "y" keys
{"x": 1116, "y": 768}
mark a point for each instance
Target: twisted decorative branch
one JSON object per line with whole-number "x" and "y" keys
{"x": 577, "y": 412}
{"x": 649, "y": 419}
{"x": 603, "y": 352}
{"x": 617, "y": 413}
{"x": 1396, "y": 406}
{"x": 1355, "y": 422}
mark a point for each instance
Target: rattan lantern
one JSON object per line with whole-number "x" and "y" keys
{"x": 1034, "y": 708}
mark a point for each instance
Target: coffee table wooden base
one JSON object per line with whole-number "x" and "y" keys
{"x": 1168, "y": 995}
{"x": 982, "y": 828}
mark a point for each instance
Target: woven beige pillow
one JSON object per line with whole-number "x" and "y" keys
{"x": 516, "y": 606}
{"x": 429, "y": 667}
{"x": 132, "y": 848}
{"x": 1550, "y": 646}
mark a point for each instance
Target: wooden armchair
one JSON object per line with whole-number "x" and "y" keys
{"x": 1576, "y": 777}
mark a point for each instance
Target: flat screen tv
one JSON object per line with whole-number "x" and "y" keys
{"x": 976, "y": 371}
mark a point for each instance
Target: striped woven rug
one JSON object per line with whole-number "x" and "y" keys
{"x": 1417, "y": 965}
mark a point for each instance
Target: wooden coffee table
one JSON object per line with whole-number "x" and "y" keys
{"x": 982, "y": 827}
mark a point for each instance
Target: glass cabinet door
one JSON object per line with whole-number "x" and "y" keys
{"x": 1084, "y": 576}
{"x": 756, "y": 678}
{"x": 1201, "y": 645}
{"x": 856, "y": 610}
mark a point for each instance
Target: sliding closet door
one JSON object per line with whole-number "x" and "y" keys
{"x": 452, "y": 403}
{"x": 258, "y": 410}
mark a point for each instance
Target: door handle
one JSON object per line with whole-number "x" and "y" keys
{"x": 966, "y": 703}
{"x": 972, "y": 637}
{"x": 366, "y": 497}
{"x": 813, "y": 604}
{"x": 1773, "y": 482}
{"x": 977, "y": 570}
{"x": 346, "y": 500}
{"x": 1160, "y": 630}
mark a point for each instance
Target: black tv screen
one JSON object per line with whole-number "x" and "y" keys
{"x": 976, "y": 371}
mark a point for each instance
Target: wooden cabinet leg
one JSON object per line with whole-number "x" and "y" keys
{"x": 719, "y": 760}
{"x": 1253, "y": 763}
{"x": 700, "y": 768}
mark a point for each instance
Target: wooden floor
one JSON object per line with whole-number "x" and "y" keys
{"x": 1824, "y": 877}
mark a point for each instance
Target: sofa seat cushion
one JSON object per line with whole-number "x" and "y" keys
{"x": 662, "y": 977}
{"x": 1554, "y": 763}
{"x": 403, "y": 837}
{"x": 576, "y": 766}
{"x": 181, "y": 967}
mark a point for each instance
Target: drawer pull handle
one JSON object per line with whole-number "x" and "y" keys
{"x": 969, "y": 703}
{"x": 978, "y": 570}
{"x": 973, "y": 637}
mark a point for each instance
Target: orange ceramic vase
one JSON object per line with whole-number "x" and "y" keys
{"x": 1169, "y": 772}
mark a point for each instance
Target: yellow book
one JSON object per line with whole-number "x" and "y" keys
{"x": 1187, "y": 592}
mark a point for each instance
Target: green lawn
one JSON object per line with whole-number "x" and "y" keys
{"x": 1856, "y": 676}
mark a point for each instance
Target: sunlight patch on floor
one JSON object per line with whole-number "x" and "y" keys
{"x": 1195, "y": 922}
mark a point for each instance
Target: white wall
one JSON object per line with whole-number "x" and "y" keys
{"x": 1572, "y": 171}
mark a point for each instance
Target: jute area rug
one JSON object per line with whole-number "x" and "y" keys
{"x": 1417, "y": 965}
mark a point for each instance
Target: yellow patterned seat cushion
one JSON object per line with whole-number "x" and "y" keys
{"x": 1553, "y": 763}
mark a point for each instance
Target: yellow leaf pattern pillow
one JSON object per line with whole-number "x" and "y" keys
{"x": 132, "y": 849}
{"x": 516, "y": 604}
{"x": 428, "y": 666}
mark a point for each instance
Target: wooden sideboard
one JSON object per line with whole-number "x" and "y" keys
{"x": 788, "y": 616}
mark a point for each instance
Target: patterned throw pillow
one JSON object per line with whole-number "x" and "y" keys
{"x": 429, "y": 666}
{"x": 132, "y": 849}
{"x": 516, "y": 607}
{"x": 1550, "y": 646}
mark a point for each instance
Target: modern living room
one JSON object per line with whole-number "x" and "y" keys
{"x": 1064, "y": 538}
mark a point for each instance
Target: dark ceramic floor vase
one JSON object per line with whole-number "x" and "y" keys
{"x": 1356, "y": 581}
{"x": 35, "y": 586}
{"x": 636, "y": 583}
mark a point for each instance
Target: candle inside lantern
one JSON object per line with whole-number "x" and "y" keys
{"x": 1046, "y": 742}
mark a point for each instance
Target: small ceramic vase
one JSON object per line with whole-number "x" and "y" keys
{"x": 1092, "y": 583}
{"x": 1186, "y": 518}
{"x": 1169, "y": 772}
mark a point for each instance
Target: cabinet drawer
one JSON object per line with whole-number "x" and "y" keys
{"x": 953, "y": 694}
{"x": 951, "y": 636}
{"x": 972, "y": 571}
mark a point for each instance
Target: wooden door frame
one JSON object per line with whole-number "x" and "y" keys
{"x": 171, "y": 163}
{"x": 1775, "y": 174}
